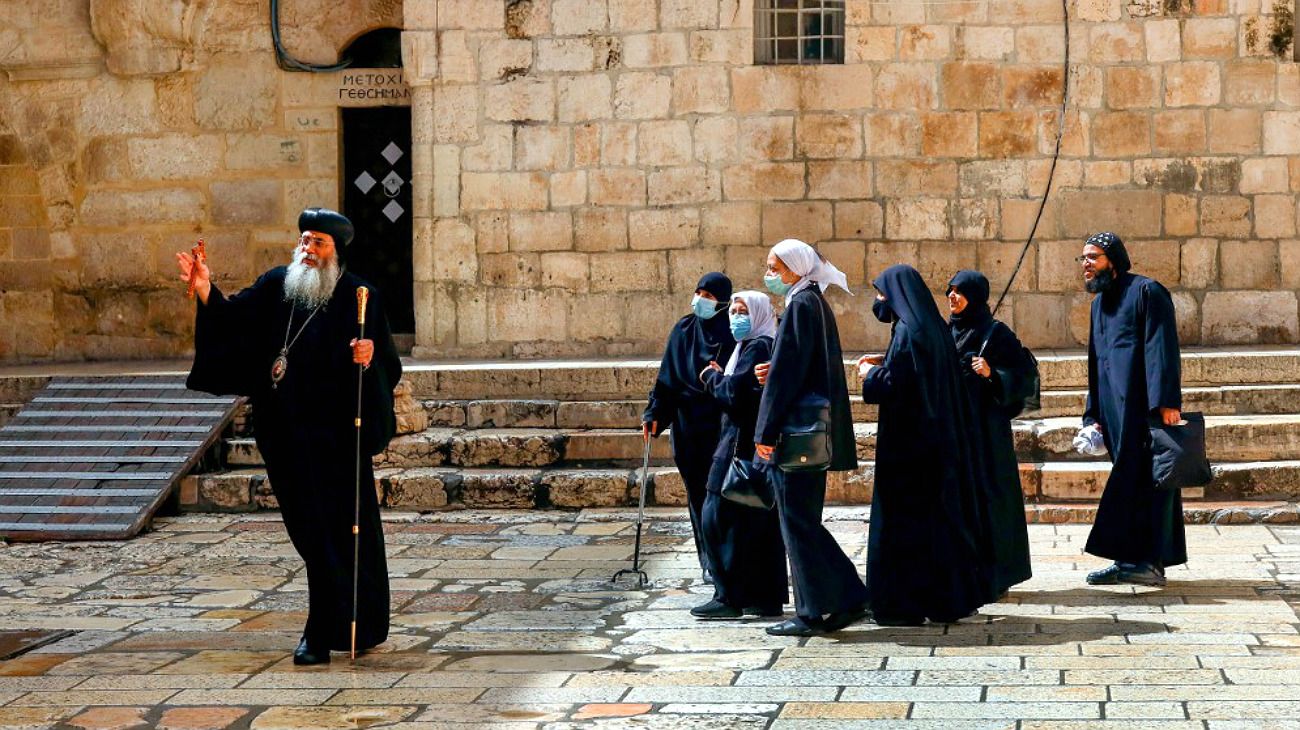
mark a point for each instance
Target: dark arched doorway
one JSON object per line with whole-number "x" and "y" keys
{"x": 376, "y": 143}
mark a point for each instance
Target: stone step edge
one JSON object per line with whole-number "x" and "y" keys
{"x": 1231, "y": 440}
{"x": 431, "y": 488}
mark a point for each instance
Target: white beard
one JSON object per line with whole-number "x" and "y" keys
{"x": 310, "y": 286}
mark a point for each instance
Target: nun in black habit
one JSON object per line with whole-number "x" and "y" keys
{"x": 998, "y": 378}
{"x": 927, "y": 548}
{"x": 679, "y": 401}
{"x": 1134, "y": 379}
{"x": 807, "y": 359}
{"x": 297, "y": 360}
{"x": 743, "y": 543}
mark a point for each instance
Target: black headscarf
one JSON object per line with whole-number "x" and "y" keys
{"x": 1114, "y": 248}
{"x": 694, "y": 342}
{"x": 717, "y": 284}
{"x": 925, "y": 339}
{"x": 973, "y": 322}
{"x": 324, "y": 220}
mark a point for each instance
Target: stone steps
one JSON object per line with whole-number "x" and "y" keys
{"x": 430, "y": 488}
{"x": 632, "y": 379}
{"x": 1230, "y": 439}
{"x": 620, "y": 413}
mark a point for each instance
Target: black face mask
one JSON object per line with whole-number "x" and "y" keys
{"x": 1101, "y": 281}
{"x": 882, "y": 311}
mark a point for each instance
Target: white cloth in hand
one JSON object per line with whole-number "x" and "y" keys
{"x": 1089, "y": 441}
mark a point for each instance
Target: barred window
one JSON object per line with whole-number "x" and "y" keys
{"x": 799, "y": 31}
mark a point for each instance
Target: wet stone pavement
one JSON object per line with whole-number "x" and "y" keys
{"x": 508, "y": 620}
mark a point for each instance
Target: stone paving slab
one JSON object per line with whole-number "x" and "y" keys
{"x": 508, "y": 620}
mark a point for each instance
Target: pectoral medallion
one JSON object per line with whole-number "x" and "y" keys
{"x": 279, "y": 368}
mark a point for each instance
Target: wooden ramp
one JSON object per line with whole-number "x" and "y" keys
{"x": 92, "y": 458}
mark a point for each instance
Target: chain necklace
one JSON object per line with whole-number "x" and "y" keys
{"x": 281, "y": 365}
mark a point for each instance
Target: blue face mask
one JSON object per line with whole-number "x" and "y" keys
{"x": 740, "y": 326}
{"x": 704, "y": 308}
{"x": 776, "y": 286}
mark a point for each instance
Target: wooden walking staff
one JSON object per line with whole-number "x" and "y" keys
{"x": 363, "y": 296}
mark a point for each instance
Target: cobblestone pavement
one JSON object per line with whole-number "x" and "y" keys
{"x": 508, "y": 620}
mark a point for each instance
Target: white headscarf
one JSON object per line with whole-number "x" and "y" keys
{"x": 804, "y": 260}
{"x": 762, "y": 322}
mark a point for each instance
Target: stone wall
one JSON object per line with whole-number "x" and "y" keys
{"x": 579, "y": 163}
{"x": 591, "y": 158}
{"x": 131, "y": 127}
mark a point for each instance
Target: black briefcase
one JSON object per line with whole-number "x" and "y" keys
{"x": 1178, "y": 459}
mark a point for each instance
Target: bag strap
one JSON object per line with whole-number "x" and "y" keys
{"x": 823, "y": 306}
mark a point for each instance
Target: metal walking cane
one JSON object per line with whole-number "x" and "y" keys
{"x": 642, "y": 578}
{"x": 363, "y": 295}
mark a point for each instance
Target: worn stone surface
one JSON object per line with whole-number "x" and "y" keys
{"x": 466, "y": 648}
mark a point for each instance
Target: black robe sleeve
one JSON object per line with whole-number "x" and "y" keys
{"x": 1160, "y": 345}
{"x": 893, "y": 378}
{"x": 1009, "y": 383}
{"x": 1091, "y": 415}
{"x": 379, "y": 422}
{"x": 741, "y": 387}
{"x": 798, "y": 344}
{"x": 662, "y": 402}
{"x": 223, "y": 328}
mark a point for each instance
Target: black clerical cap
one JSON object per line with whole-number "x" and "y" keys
{"x": 324, "y": 220}
{"x": 1114, "y": 248}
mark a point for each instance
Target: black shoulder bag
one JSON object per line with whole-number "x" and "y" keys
{"x": 805, "y": 441}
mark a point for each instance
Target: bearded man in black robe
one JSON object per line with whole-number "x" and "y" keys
{"x": 290, "y": 343}
{"x": 1134, "y": 380}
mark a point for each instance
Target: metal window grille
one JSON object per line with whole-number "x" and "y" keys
{"x": 798, "y": 31}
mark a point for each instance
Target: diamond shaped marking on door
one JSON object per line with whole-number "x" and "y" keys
{"x": 392, "y": 153}
{"x": 393, "y": 211}
{"x": 364, "y": 182}
{"x": 392, "y": 184}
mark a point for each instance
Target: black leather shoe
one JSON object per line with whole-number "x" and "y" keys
{"x": 1143, "y": 574}
{"x": 844, "y": 619}
{"x": 898, "y": 620}
{"x": 305, "y": 656}
{"x": 715, "y": 610}
{"x": 1107, "y": 576}
{"x": 797, "y": 626}
{"x": 765, "y": 611}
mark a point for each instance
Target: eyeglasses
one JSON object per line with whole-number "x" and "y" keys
{"x": 1088, "y": 257}
{"x": 307, "y": 238}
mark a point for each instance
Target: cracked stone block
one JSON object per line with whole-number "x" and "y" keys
{"x": 510, "y": 490}
{"x": 426, "y": 448}
{"x": 445, "y": 413}
{"x": 587, "y": 488}
{"x": 511, "y": 414}
{"x": 420, "y": 488}
{"x": 506, "y": 449}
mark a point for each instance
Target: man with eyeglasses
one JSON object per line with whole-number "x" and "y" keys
{"x": 1134, "y": 380}
{"x": 290, "y": 342}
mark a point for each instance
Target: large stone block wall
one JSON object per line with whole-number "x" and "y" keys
{"x": 591, "y": 158}
{"x": 579, "y": 163}
{"x": 130, "y": 127}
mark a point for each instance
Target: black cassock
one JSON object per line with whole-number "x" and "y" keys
{"x": 1134, "y": 370}
{"x": 807, "y": 359}
{"x": 995, "y": 400}
{"x": 927, "y": 547}
{"x": 743, "y": 544}
{"x": 305, "y": 431}
{"x": 680, "y": 404}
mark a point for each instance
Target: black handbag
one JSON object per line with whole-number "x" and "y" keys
{"x": 1178, "y": 459}
{"x": 805, "y": 441}
{"x": 746, "y": 483}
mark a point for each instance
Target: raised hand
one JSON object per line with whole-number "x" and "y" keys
{"x": 202, "y": 278}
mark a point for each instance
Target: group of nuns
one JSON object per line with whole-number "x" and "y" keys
{"x": 947, "y": 530}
